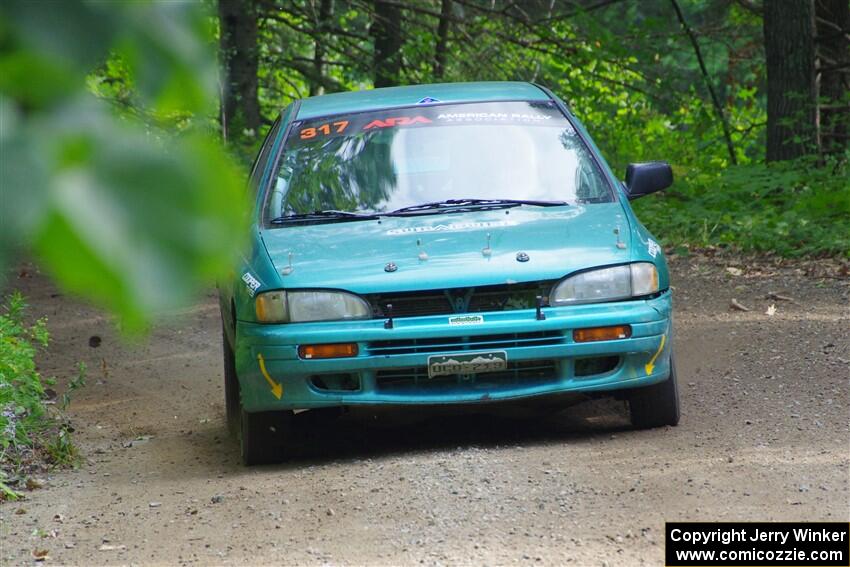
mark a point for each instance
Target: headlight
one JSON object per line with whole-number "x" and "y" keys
{"x": 644, "y": 278}
{"x": 305, "y": 306}
{"x": 606, "y": 284}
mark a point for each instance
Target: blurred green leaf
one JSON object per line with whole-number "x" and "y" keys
{"x": 72, "y": 33}
{"x": 130, "y": 216}
{"x": 169, "y": 54}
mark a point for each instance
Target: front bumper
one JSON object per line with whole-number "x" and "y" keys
{"x": 391, "y": 367}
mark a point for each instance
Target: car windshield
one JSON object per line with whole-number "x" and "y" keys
{"x": 449, "y": 157}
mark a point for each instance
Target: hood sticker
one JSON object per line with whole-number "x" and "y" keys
{"x": 652, "y": 247}
{"x": 467, "y": 320}
{"x": 450, "y": 227}
{"x": 251, "y": 283}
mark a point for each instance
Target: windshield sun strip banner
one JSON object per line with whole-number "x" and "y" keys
{"x": 543, "y": 113}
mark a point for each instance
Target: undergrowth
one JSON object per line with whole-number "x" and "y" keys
{"x": 33, "y": 430}
{"x": 796, "y": 208}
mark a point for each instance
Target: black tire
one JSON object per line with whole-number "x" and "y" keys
{"x": 231, "y": 386}
{"x": 262, "y": 435}
{"x": 656, "y": 405}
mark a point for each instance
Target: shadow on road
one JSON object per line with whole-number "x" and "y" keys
{"x": 364, "y": 433}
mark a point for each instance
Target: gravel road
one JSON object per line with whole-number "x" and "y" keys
{"x": 764, "y": 436}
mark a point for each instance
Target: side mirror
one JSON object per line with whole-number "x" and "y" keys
{"x": 645, "y": 178}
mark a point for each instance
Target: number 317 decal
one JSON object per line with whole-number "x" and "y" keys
{"x": 324, "y": 129}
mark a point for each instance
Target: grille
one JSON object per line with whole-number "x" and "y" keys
{"x": 507, "y": 297}
{"x": 526, "y": 372}
{"x": 479, "y": 342}
{"x": 413, "y": 305}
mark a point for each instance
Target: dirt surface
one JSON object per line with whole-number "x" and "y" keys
{"x": 764, "y": 436}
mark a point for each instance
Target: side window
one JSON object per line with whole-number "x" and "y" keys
{"x": 263, "y": 158}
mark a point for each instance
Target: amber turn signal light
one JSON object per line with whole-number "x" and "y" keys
{"x": 340, "y": 350}
{"x": 602, "y": 333}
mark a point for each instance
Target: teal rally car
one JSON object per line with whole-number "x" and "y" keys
{"x": 442, "y": 244}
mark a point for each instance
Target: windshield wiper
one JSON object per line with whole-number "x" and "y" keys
{"x": 468, "y": 204}
{"x": 323, "y": 216}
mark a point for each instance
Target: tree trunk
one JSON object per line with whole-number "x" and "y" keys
{"x": 240, "y": 107}
{"x": 386, "y": 29}
{"x": 441, "y": 48}
{"x": 326, "y": 9}
{"x": 791, "y": 95}
{"x": 833, "y": 50}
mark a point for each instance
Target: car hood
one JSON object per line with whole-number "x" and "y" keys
{"x": 448, "y": 250}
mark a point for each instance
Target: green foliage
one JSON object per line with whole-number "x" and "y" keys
{"x": 74, "y": 384}
{"x": 792, "y": 208}
{"x": 61, "y": 449}
{"x": 118, "y": 207}
{"x": 28, "y": 431}
{"x": 21, "y": 389}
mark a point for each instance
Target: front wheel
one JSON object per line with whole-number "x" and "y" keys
{"x": 262, "y": 436}
{"x": 231, "y": 386}
{"x": 656, "y": 405}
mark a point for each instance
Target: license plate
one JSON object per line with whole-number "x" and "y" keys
{"x": 474, "y": 363}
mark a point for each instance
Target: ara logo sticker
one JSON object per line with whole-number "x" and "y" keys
{"x": 398, "y": 121}
{"x": 251, "y": 283}
{"x": 652, "y": 247}
{"x": 466, "y": 320}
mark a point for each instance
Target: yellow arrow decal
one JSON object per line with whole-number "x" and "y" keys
{"x": 649, "y": 366}
{"x": 277, "y": 389}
